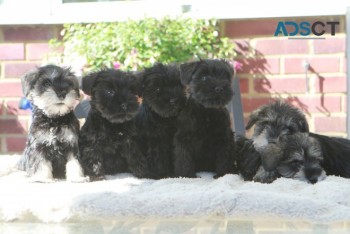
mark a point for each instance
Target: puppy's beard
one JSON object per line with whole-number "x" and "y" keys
{"x": 51, "y": 105}
{"x": 260, "y": 142}
{"x": 300, "y": 175}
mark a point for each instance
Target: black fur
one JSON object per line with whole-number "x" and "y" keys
{"x": 163, "y": 96}
{"x": 248, "y": 159}
{"x": 53, "y": 135}
{"x": 107, "y": 139}
{"x": 204, "y": 140}
{"x": 336, "y": 154}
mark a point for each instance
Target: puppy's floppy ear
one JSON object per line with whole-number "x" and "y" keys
{"x": 253, "y": 118}
{"x": 187, "y": 70}
{"x": 89, "y": 82}
{"x": 28, "y": 81}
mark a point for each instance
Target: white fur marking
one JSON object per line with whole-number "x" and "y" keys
{"x": 48, "y": 102}
{"x": 260, "y": 141}
{"x": 43, "y": 173}
{"x": 74, "y": 172}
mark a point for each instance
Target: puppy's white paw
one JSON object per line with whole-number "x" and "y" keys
{"x": 43, "y": 174}
{"x": 74, "y": 172}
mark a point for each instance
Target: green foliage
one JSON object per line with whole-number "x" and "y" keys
{"x": 136, "y": 44}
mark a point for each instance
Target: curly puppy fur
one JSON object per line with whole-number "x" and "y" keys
{"x": 204, "y": 140}
{"x": 107, "y": 139}
{"x": 52, "y": 146}
{"x": 163, "y": 96}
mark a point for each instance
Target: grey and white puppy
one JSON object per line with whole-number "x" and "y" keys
{"x": 296, "y": 156}
{"x": 272, "y": 121}
{"x": 52, "y": 145}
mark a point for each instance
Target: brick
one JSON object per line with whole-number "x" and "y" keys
{"x": 285, "y": 85}
{"x": 330, "y": 84}
{"x": 12, "y": 126}
{"x": 250, "y": 103}
{"x": 29, "y": 33}
{"x": 312, "y": 104}
{"x": 12, "y": 109}
{"x": 244, "y": 28}
{"x": 330, "y": 124}
{"x": 11, "y": 51}
{"x": 37, "y": 51}
{"x": 244, "y": 85}
{"x": 16, "y": 70}
{"x": 318, "y": 65}
{"x": 260, "y": 66}
{"x": 16, "y": 144}
{"x": 281, "y": 46}
{"x": 10, "y": 89}
{"x": 329, "y": 46}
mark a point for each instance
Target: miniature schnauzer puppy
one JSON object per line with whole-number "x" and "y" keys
{"x": 296, "y": 156}
{"x": 163, "y": 96}
{"x": 52, "y": 146}
{"x": 204, "y": 140}
{"x": 107, "y": 139}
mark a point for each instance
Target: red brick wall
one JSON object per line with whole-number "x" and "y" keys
{"x": 272, "y": 68}
{"x": 21, "y": 49}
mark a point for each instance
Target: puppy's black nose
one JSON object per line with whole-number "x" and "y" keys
{"x": 218, "y": 89}
{"x": 61, "y": 95}
{"x": 124, "y": 106}
{"x": 172, "y": 101}
{"x": 313, "y": 180}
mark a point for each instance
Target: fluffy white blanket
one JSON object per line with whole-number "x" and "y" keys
{"x": 124, "y": 196}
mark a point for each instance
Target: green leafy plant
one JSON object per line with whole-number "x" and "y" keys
{"x": 134, "y": 44}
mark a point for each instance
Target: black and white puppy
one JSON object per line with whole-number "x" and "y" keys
{"x": 107, "y": 139}
{"x": 163, "y": 96}
{"x": 204, "y": 140}
{"x": 52, "y": 146}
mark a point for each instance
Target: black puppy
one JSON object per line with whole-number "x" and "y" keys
{"x": 204, "y": 140}
{"x": 106, "y": 140}
{"x": 163, "y": 96}
{"x": 52, "y": 145}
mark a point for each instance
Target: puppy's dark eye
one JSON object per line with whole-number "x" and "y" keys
{"x": 47, "y": 84}
{"x": 288, "y": 130}
{"x": 158, "y": 90}
{"x": 109, "y": 93}
{"x": 204, "y": 78}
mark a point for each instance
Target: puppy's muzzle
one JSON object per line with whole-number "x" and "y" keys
{"x": 61, "y": 95}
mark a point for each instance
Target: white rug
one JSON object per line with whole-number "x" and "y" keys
{"x": 124, "y": 196}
